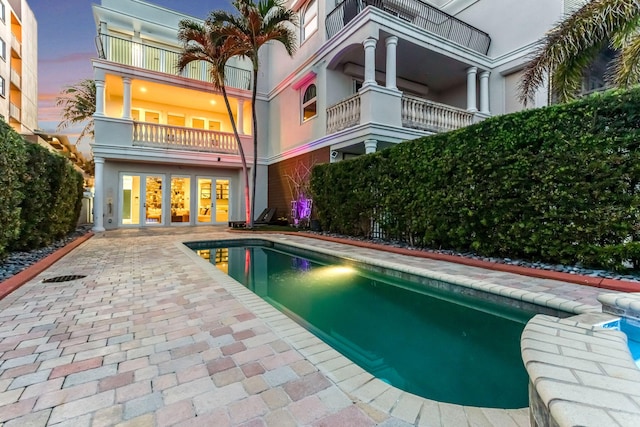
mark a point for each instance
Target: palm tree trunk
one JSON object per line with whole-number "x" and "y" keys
{"x": 245, "y": 172}
{"x": 254, "y": 118}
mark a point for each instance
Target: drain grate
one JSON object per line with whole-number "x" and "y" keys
{"x": 63, "y": 278}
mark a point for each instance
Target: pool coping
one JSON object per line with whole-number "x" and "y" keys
{"x": 355, "y": 381}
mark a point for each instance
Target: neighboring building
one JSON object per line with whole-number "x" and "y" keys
{"x": 366, "y": 75}
{"x": 18, "y": 66}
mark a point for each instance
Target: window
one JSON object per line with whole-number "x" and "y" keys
{"x": 310, "y": 20}
{"x": 2, "y": 87}
{"x": 309, "y": 103}
{"x": 2, "y": 11}
{"x": 3, "y": 49}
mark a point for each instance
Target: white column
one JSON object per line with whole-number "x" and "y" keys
{"x": 391, "y": 43}
{"x": 369, "y": 62}
{"x": 370, "y": 146}
{"x": 98, "y": 196}
{"x": 126, "y": 101}
{"x": 99, "y": 98}
{"x": 240, "y": 116}
{"x": 484, "y": 92}
{"x": 471, "y": 89}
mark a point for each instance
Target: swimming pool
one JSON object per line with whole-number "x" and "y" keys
{"x": 442, "y": 346}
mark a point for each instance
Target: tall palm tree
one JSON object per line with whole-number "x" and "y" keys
{"x": 204, "y": 43}
{"x": 567, "y": 49}
{"x": 78, "y": 103}
{"x": 245, "y": 33}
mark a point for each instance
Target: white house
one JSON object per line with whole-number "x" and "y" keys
{"x": 367, "y": 74}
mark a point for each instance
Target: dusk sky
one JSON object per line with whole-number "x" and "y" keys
{"x": 66, "y": 33}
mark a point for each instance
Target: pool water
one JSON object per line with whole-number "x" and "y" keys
{"x": 436, "y": 344}
{"x": 631, "y": 328}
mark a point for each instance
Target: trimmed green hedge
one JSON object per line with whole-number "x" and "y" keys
{"x": 559, "y": 184}
{"x": 40, "y": 197}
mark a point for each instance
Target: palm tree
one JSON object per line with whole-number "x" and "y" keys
{"x": 204, "y": 43}
{"x": 245, "y": 33}
{"x": 78, "y": 103}
{"x": 567, "y": 49}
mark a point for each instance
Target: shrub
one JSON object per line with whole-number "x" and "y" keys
{"x": 40, "y": 196}
{"x": 549, "y": 184}
{"x": 12, "y": 167}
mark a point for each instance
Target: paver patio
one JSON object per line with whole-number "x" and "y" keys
{"x": 153, "y": 337}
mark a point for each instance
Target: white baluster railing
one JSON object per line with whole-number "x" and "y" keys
{"x": 344, "y": 114}
{"x": 181, "y": 138}
{"x": 418, "y": 113}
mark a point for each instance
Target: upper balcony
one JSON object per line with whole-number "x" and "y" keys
{"x": 419, "y": 14}
{"x": 140, "y": 55}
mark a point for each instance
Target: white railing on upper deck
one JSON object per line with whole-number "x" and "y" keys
{"x": 181, "y": 138}
{"x": 344, "y": 114}
{"x": 418, "y": 113}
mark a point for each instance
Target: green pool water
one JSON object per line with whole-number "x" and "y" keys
{"x": 439, "y": 345}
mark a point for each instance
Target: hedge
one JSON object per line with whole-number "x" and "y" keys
{"x": 558, "y": 184}
{"x": 41, "y": 194}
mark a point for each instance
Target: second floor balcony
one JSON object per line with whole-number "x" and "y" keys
{"x": 148, "y": 57}
{"x": 183, "y": 138}
{"x": 416, "y": 12}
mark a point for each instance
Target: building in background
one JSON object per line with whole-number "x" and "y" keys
{"x": 367, "y": 74}
{"x": 18, "y": 66}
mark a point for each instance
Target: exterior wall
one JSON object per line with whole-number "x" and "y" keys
{"x": 5, "y": 67}
{"x": 280, "y": 193}
{"x": 512, "y": 25}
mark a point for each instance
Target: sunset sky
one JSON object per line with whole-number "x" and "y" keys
{"x": 66, "y": 33}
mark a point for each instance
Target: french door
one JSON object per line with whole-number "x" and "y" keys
{"x": 213, "y": 200}
{"x": 141, "y": 199}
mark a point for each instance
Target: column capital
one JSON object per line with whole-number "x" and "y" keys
{"x": 472, "y": 70}
{"x": 370, "y": 42}
{"x": 485, "y": 74}
{"x": 97, "y": 160}
{"x": 126, "y": 80}
{"x": 391, "y": 40}
{"x": 99, "y": 83}
{"x": 370, "y": 146}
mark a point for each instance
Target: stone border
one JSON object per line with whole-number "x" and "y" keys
{"x": 359, "y": 384}
{"x": 623, "y": 305}
{"x": 14, "y": 282}
{"x": 580, "y": 373}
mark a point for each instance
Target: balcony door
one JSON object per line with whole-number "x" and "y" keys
{"x": 213, "y": 200}
{"x": 141, "y": 199}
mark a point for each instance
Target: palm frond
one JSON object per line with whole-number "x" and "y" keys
{"x": 78, "y": 104}
{"x": 575, "y": 37}
{"x": 625, "y": 70}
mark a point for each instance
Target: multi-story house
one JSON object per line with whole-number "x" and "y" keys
{"x": 18, "y": 66}
{"x": 367, "y": 74}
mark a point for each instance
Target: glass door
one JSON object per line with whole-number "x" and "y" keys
{"x": 222, "y": 200}
{"x": 213, "y": 200}
{"x": 141, "y": 199}
{"x": 180, "y": 200}
{"x": 153, "y": 200}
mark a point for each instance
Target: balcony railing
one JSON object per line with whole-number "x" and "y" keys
{"x": 417, "y": 113}
{"x": 344, "y": 114}
{"x": 418, "y": 13}
{"x": 16, "y": 45}
{"x": 153, "y": 58}
{"x": 16, "y": 80}
{"x": 423, "y": 114}
{"x": 181, "y": 138}
{"x": 14, "y": 111}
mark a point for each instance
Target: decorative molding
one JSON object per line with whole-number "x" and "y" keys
{"x": 304, "y": 80}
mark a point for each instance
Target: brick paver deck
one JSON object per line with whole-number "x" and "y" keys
{"x": 153, "y": 337}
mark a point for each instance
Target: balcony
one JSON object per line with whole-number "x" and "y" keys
{"x": 417, "y": 113}
{"x": 127, "y": 52}
{"x": 183, "y": 138}
{"x": 419, "y": 14}
{"x": 16, "y": 80}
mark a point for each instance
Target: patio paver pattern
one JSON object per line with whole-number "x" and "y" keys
{"x": 151, "y": 337}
